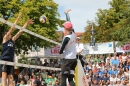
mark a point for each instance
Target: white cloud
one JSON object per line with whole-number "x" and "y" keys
{"x": 82, "y": 10}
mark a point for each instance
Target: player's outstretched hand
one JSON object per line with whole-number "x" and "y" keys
{"x": 30, "y": 21}
{"x": 66, "y": 11}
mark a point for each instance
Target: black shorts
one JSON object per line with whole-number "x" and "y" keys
{"x": 68, "y": 64}
{"x": 7, "y": 68}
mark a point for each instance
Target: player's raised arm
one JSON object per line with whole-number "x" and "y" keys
{"x": 12, "y": 28}
{"x": 68, "y": 17}
{"x": 21, "y": 30}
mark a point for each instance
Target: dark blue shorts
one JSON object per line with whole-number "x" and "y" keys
{"x": 7, "y": 68}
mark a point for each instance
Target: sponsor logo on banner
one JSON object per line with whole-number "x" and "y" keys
{"x": 54, "y": 51}
{"x": 124, "y": 48}
{"x": 99, "y": 48}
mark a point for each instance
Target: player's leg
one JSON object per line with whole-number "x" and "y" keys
{"x": 4, "y": 74}
{"x": 70, "y": 79}
{"x": 10, "y": 75}
{"x": 63, "y": 80}
{"x": 71, "y": 75}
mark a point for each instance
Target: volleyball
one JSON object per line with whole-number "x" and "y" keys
{"x": 43, "y": 19}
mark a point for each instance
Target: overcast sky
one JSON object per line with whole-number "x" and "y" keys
{"x": 82, "y": 10}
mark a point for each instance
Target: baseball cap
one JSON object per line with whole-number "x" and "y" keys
{"x": 68, "y": 25}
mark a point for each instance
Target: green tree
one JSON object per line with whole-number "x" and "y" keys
{"x": 9, "y": 10}
{"x": 112, "y": 24}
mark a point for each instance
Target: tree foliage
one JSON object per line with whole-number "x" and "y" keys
{"x": 112, "y": 24}
{"x": 9, "y": 10}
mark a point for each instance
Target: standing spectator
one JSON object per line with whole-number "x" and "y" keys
{"x": 45, "y": 63}
{"x": 79, "y": 48}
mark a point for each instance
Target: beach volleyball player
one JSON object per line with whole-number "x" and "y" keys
{"x": 68, "y": 49}
{"x": 8, "y": 50}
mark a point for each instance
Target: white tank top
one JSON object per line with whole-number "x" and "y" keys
{"x": 70, "y": 49}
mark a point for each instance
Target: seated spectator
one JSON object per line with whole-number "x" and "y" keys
{"x": 97, "y": 59}
{"x": 26, "y": 76}
{"x": 95, "y": 83}
{"x": 37, "y": 81}
{"x": 108, "y": 59}
{"x": 44, "y": 73}
{"x": 94, "y": 70}
{"x": 110, "y": 71}
{"x": 99, "y": 71}
{"x": 48, "y": 79}
{"x": 43, "y": 83}
{"x": 50, "y": 72}
{"x": 114, "y": 70}
{"x": 115, "y": 61}
{"x": 49, "y": 83}
{"x": 22, "y": 83}
{"x": 118, "y": 82}
{"x": 124, "y": 57}
{"x": 113, "y": 78}
{"x": 108, "y": 66}
{"x": 20, "y": 78}
{"x": 29, "y": 83}
{"x": 53, "y": 79}
{"x": 57, "y": 83}
{"x": 111, "y": 83}
{"x": 89, "y": 66}
{"x": 126, "y": 71}
{"x": 128, "y": 65}
{"x": 125, "y": 81}
{"x": 97, "y": 78}
{"x": 105, "y": 79}
{"x": 95, "y": 64}
{"x": 88, "y": 79}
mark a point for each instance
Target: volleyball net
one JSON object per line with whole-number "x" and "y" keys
{"x": 80, "y": 79}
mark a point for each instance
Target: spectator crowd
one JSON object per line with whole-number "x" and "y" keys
{"x": 112, "y": 70}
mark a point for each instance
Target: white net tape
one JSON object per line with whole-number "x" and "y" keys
{"x": 27, "y": 66}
